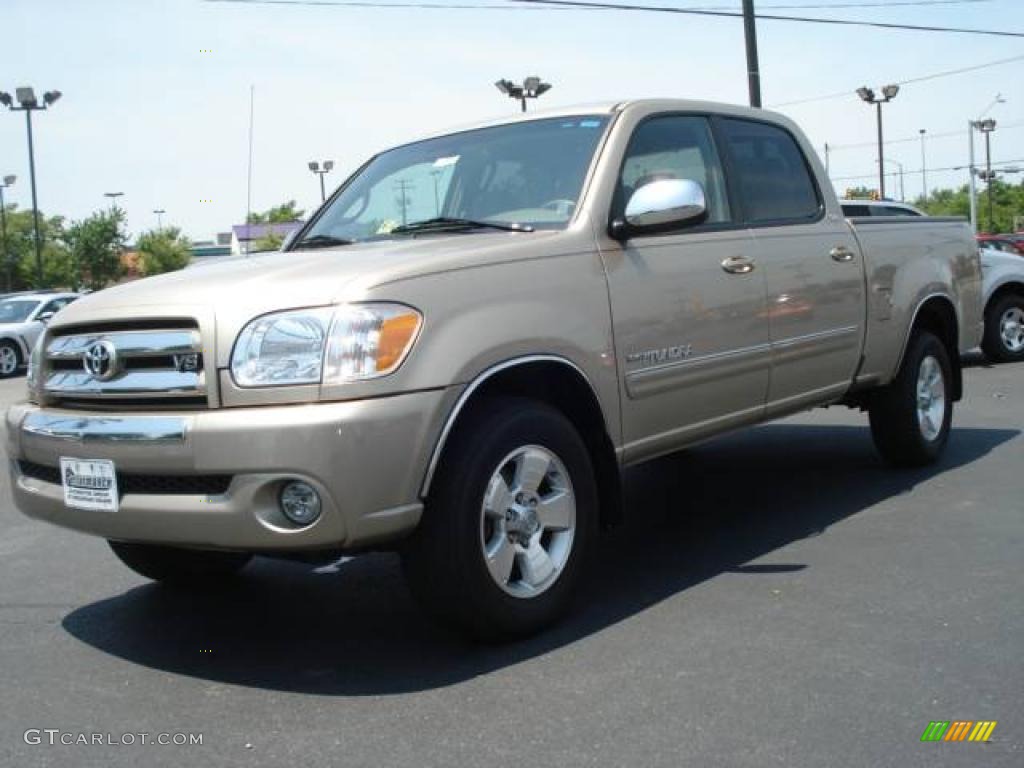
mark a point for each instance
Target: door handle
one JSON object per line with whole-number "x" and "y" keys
{"x": 841, "y": 253}
{"x": 738, "y": 265}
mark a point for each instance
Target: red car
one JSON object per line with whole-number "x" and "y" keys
{"x": 1007, "y": 243}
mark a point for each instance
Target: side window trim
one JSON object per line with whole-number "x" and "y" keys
{"x": 736, "y": 219}
{"x": 732, "y": 172}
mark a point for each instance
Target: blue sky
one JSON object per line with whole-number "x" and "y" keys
{"x": 146, "y": 111}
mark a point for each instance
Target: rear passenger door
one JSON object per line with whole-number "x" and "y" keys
{"x": 811, "y": 263}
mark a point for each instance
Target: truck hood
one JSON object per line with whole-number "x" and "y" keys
{"x": 271, "y": 281}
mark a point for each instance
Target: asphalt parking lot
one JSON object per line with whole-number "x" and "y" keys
{"x": 778, "y": 598}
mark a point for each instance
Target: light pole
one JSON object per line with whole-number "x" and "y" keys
{"x": 888, "y": 94}
{"x": 924, "y": 168}
{"x": 8, "y": 181}
{"x": 328, "y": 166}
{"x": 159, "y": 219}
{"x": 113, "y": 199}
{"x": 753, "y": 67}
{"x": 987, "y": 126}
{"x": 27, "y": 103}
{"x": 531, "y": 88}
{"x": 972, "y": 125}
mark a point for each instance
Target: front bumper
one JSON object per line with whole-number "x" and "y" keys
{"x": 367, "y": 458}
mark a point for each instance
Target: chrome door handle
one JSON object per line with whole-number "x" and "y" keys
{"x": 841, "y": 253}
{"x": 738, "y": 265}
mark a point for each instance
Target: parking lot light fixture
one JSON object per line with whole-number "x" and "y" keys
{"x": 321, "y": 170}
{"x": 27, "y": 103}
{"x": 868, "y": 96}
{"x": 532, "y": 88}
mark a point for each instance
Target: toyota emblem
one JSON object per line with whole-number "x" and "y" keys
{"x": 100, "y": 360}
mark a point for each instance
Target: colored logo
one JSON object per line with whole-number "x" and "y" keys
{"x": 959, "y": 730}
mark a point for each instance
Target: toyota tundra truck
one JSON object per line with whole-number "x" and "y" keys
{"x": 466, "y": 345}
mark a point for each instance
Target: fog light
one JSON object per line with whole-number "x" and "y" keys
{"x": 300, "y": 503}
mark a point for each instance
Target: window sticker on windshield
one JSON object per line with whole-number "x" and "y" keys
{"x": 444, "y": 162}
{"x": 590, "y": 123}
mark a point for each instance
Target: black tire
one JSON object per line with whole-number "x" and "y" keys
{"x": 898, "y": 432}
{"x": 180, "y": 567}
{"x": 993, "y": 344}
{"x": 444, "y": 560}
{"x": 9, "y": 350}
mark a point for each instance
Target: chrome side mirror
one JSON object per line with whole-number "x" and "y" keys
{"x": 662, "y": 205}
{"x": 45, "y": 317}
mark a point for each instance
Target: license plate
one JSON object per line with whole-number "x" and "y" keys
{"x": 89, "y": 484}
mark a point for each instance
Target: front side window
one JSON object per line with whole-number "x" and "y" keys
{"x": 673, "y": 147}
{"x": 773, "y": 176}
{"x": 528, "y": 174}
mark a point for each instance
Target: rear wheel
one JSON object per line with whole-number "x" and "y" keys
{"x": 910, "y": 418}
{"x": 1004, "y": 330}
{"x": 509, "y": 519}
{"x": 178, "y": 566}
{"x": 10, "y": 359}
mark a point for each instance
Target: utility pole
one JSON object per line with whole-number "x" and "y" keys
{"x": 753, "y": 68}
{"x": 404, "y": 186}
{"x": 970, "y": 174}
{"x": 924, "y": 169}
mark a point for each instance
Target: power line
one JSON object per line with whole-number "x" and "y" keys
{"x": 917, "y": 138}
{"x": 484, "y": 7}
{"x": 921, "y": 79}
{"x": 773, "y": 17}
{"x": 918, "y": 171}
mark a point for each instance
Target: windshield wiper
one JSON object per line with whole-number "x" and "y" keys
{"x": 448, "y": 223}
{"x": 320, "y": 241}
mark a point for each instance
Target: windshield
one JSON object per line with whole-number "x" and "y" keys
{"x": 16, "y": 311}
{"x": 527, "y": 174}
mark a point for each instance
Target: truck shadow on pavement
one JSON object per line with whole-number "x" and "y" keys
{"x": 692, "y": 516}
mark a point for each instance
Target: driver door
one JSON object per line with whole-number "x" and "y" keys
{"x": 691, "y": 332}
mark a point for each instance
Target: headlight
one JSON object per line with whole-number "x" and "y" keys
{"x": 331, "y": 345}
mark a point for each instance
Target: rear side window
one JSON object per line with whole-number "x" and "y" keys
{"x": 772, "y": 174}
{"x": 856, "y": 210}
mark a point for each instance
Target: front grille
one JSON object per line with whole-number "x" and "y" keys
{"x": 129, "y": 364}
{"x": 180, "y": 485}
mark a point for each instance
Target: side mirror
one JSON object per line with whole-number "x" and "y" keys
{"x": 45, "y": 317}
{"x": 660, "y": 206}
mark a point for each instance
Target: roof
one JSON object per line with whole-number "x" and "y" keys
{"x": 610, "y": 108}
{"x": 257, "y": 231}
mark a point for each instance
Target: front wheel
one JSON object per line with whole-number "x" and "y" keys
{"x": 10, "y": 359}
{"x": 910, "y": 418}
{"x": 509, "y": 519}
{"x": 180, "y": 567}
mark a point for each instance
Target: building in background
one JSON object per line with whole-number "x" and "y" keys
{"x": 205, "y": 249}
{"x": 248, "y": 238}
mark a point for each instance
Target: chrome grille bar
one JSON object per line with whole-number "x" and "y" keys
{"x": 146, "y": 365}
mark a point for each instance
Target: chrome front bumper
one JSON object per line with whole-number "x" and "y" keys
{"x": 367, "y": 458}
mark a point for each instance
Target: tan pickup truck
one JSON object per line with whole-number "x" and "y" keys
{"x": 461, "y": 351}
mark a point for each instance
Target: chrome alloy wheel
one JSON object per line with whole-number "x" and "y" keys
{"x": 931, "y": 398}
{"x": 528, "y": 521}
{"x": 1011, "y": 330}
{"x": 8, "y": 360}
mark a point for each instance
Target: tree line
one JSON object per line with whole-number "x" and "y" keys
{"x": 90, "y": 253}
